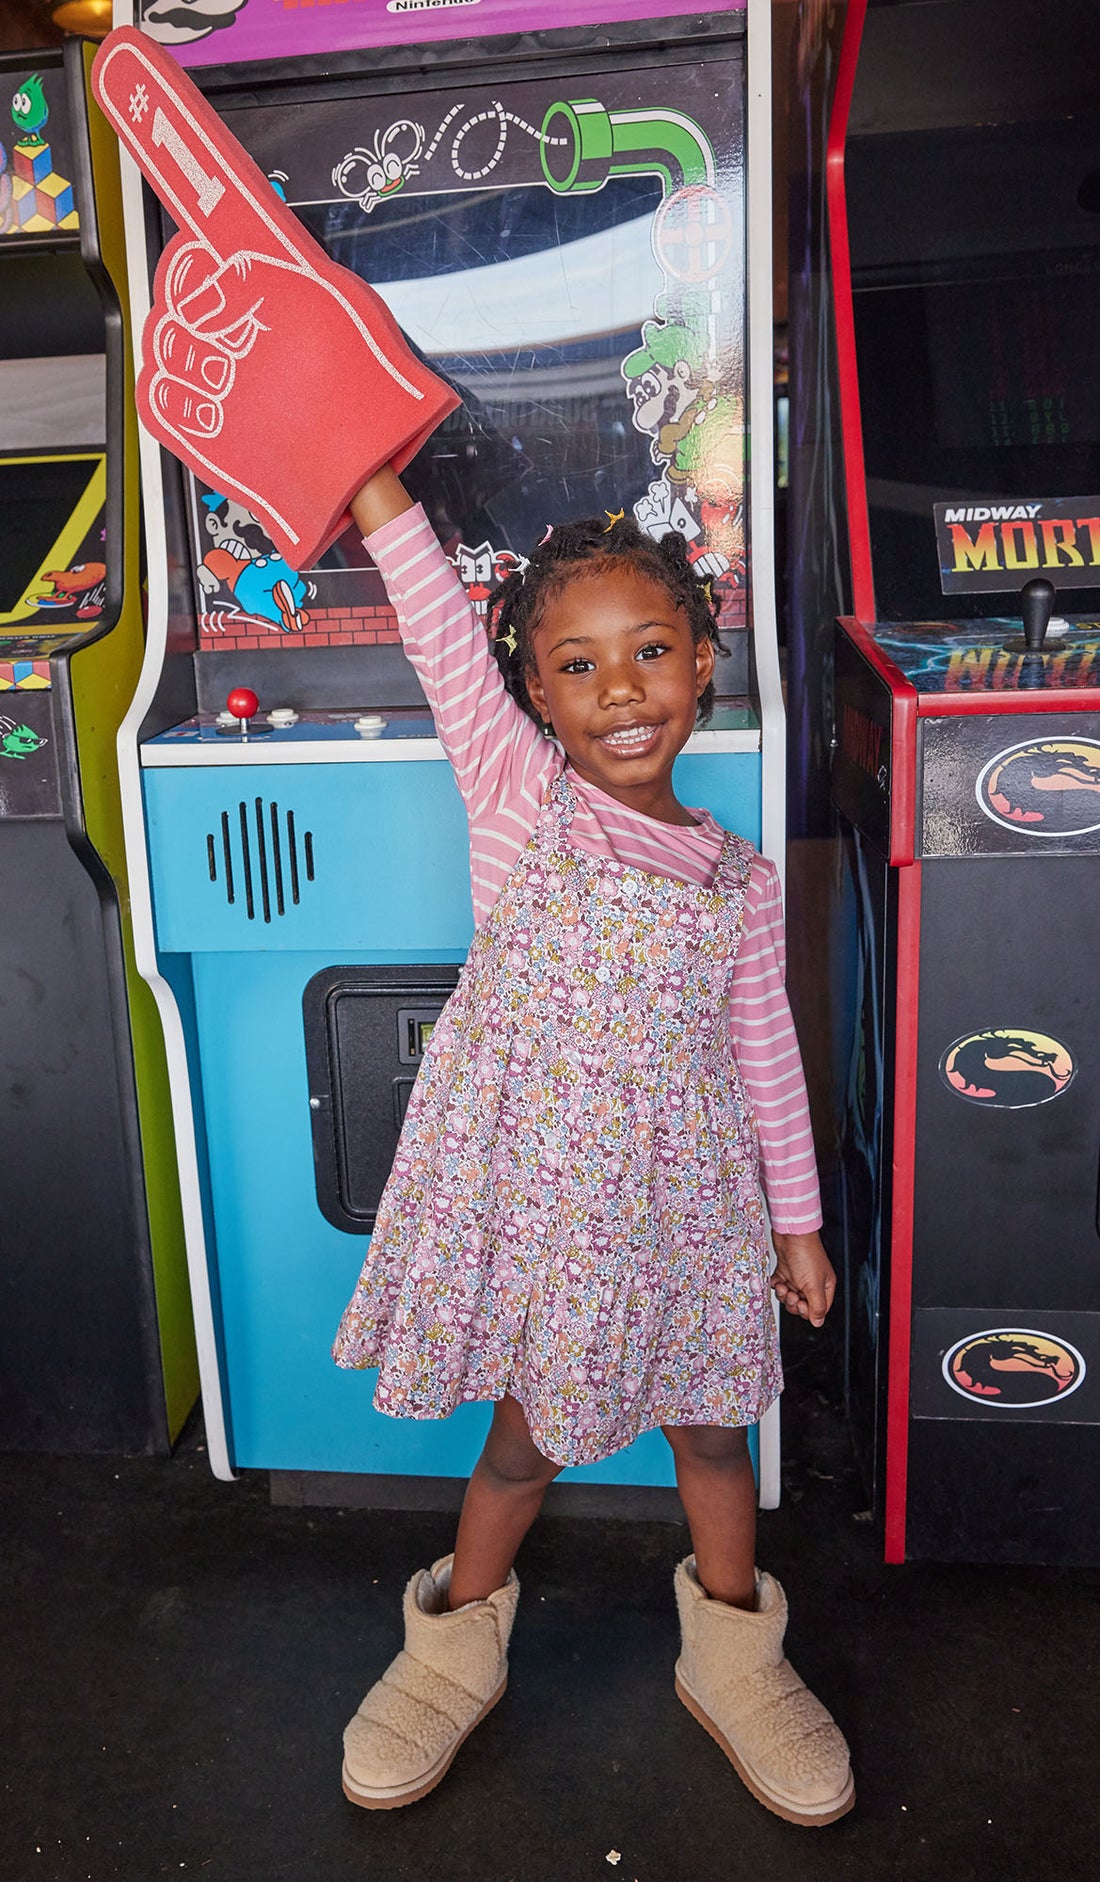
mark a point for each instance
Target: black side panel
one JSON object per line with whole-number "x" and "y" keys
{"x": 1005, "y": 1183}
{"x": 855, "y": 1192}
{"x": 978, "y": 1493}
{"x": 79, "y": 1367}
{"x": 863, "y": 757}
{"x": 1004, "y": 1433}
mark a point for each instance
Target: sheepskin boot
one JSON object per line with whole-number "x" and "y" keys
{"x": 733, "y": 1677}
{"x": 451, "y": 1671}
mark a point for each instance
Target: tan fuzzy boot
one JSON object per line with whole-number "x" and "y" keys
{"x": 451, "y": 1671}
{"x": 733, "y": 1677}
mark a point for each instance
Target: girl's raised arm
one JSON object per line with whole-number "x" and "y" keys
{"x": 382, "y": 499}
{"x": 500, "y": 760}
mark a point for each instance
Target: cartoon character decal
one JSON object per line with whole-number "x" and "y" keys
{"x": 242, "y": 562}
{"x": 29, "y": 112}
{"x": 1007, "y": 1068}
{"x": 695, "y": 431}
{"x": 387, "y": 164}
{"x": 481, "y": 569}
{"x": 1047, "y": 787}
{"x": 80, "y": 590}
{"x": 18, "y": 741}
{"x": 1013, "y": 1366}
{"x": 182, "y": 22}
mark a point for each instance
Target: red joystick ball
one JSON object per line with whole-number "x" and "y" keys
{"x": 242, "y": 703}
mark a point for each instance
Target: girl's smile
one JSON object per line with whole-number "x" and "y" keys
{"x": 618, "y": 675}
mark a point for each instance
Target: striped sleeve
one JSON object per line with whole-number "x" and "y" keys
{"x": 494, "y": 748}
{"x": 766, "y": 1050}
{"x": 500, "y": 760}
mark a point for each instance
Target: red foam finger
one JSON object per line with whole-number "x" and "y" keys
{"x": 320, "y": 388}
{"x": 185, "y": 412}
{"x": 192, "y": 361}
{"x": 205, "y": 180}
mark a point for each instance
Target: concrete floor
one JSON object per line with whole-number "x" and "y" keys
{"x": 178, "y": 1658}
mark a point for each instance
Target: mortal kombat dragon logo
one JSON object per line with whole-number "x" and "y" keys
{"x": 1047, "y": 787}
{"x": 1007, "y": 1068}
{"x": 1013, "y": 1366}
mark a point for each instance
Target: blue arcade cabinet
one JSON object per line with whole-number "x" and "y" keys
{"x": 583, "y": 261}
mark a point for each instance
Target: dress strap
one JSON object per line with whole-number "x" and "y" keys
{"x": 556, "y": 813}
{"x": 734, "y": 869}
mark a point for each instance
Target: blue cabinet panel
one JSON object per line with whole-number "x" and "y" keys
{"x": 368, "y": 856}
{"x": 390, "y": 882}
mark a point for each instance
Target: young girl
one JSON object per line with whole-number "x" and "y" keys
{"x": 573, "y": 1226}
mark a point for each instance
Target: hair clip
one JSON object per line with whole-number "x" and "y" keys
{"x": 619, "y": 517}
{"x": 507, "y": 639}
{"x": 545, "y": 538}
{"x": 708, "y": 590}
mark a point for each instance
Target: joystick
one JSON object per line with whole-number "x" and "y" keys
{"x": 1036, "y": 607}
{"x": 241, "y": 708}
{"x": 243, "y": 704}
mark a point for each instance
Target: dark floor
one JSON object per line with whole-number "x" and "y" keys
{"x": 178, "y": 1658}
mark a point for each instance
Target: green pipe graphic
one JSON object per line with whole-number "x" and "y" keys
{"x": 591, "y": 144}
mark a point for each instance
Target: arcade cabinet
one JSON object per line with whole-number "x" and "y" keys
{"x": 570, "y": 250}
{"x": 945, "y": 455}
{"x": 96, "y": 1343}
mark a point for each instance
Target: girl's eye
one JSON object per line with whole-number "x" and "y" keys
{"x": 579, "y": 665}
{"x": 652, "y": 650}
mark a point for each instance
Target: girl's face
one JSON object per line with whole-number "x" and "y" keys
{"x": 619, "y": 677}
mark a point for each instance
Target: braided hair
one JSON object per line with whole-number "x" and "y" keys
{"x": 516, "y": 606}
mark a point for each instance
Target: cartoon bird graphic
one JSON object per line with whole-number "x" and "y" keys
{"x": 29, "y": 110}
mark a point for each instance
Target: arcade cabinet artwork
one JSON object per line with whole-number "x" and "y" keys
{"x": 958, "y": 436}
{"x": 96, "y": 1343}
{"x": 566, "y": 251}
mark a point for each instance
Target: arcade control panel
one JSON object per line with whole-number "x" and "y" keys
{"x": 243, "y": 734}
{"x": 918, "y": 703}
{"x": 350, "y": 833}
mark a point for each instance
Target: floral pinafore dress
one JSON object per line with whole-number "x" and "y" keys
{"x": 574, "y": 1214}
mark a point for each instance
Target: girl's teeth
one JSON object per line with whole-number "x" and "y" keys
{"x": 637, "y": 737}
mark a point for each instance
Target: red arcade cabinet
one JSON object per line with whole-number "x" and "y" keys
{"x": 945, "y": 442}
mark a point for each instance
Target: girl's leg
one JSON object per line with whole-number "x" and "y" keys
{"x": 502, "y": 1499}
{"x": 715, "y": 1479}
{"x": 732, "y": 1673}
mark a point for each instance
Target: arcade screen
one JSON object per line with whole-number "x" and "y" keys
{"x": 588, "y": 308}
{"x": 51, "y": 568}
{"x": 975, "y": 278}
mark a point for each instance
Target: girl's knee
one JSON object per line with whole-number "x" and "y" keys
{"x": 707, "y": 1444}
{"x": 511, "y": 1456}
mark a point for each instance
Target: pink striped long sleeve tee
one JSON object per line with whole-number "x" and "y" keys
{"x": 503, "y": 766}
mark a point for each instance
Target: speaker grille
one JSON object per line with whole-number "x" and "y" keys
{"x": 260, "y": 858}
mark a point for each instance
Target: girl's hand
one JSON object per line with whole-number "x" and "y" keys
{"x": 803, "y": 1280}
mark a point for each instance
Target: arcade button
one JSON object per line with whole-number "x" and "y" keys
{"x": 370, "y": 725}
{"x": 282, "y": 716}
